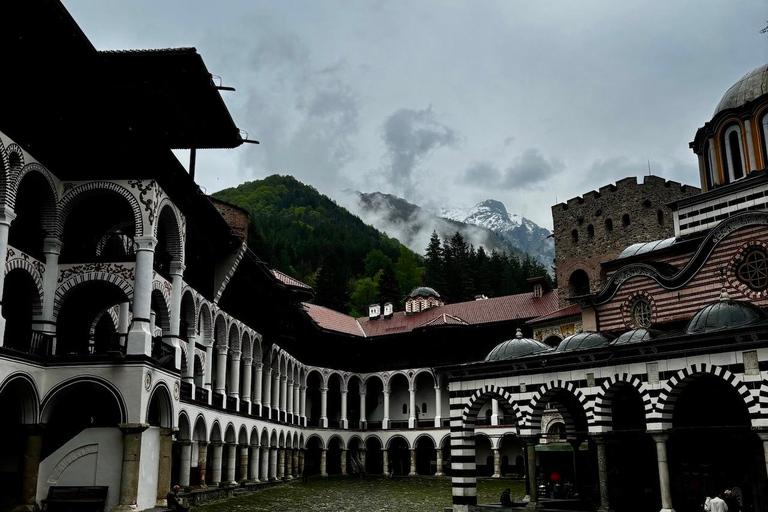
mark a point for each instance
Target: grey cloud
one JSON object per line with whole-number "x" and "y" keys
{"x": 530, "y": 169}
{"x": 603, "y": 172}
{"x": 481, "y": 174}
{"x": 410, "y": 137}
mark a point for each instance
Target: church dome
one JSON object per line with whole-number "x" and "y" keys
{"x": 635, "y": 336}
{"x": 725, "y": 314}
{"x": 516, "y": 347}
{"x": 581, "y": 341}
{"x": 423, "y": 291}
{"x": 749, "y": 87}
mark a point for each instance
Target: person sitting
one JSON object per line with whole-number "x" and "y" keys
{"x": 506, "y": 500}
{"x": 173, "y": 502}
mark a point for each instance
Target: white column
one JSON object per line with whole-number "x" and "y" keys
{"x": 289, "y": 401}
{"x": 257, "y": 384}
{"x": 494, "y": 412}
{"x": 661, "y": 455}
{"x": 6, "y": 217}
{"x": 296, "y": 403}
{"x": 177, "y": 284}
{"x": 208, "y": 377}
{"x": 303, "y": 405}
{"x": 438, "y": 406}
{"x": 231, "y": 462}
{"x": 245, "y": 393}
{"x": 189, "y": 375}
{"x": 264, "y": 463}
{"x": 216, "y": 462}
{"x": 750, "y": 146}
{"x": 324, "y": 407}
{"x": 265, "y": 404}
{"x": 254, "y": 463}
{"x": 385, "y": 422}
{"x": 221, "y": 368}
{"x": 344, "y": 421}
{"x": 185, "y": 463}
{"x": 496, "y": 463}
{"x": 283, "y": 396}
{"x": 412, "y": 411}
{"x": 362, "y": 408}
{"x": 276, "y": 394}
{"x": 234, "y": 373}
{"x": 439, "y": 457}
{"x": 140, "y": 335}
{"x": 52, "y": 250}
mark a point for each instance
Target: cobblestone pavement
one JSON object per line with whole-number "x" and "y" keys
{"x": 355, "y": 494}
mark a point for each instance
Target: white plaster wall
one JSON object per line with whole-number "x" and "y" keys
{"x": 101, "y": 465}
{"x": 150, "y": 462}
{"x": 397, "y": 398}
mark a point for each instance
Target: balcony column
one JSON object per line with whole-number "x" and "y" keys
{"x": 296, "y": 403}
{"x": 45, "y": 321}
{"x": 276, "y": 394}
{"x": 283, "y": 397}
{"x": 6, "y": 217}
{"x": 412, "y": 407}
{"x": 288, "y": 464}
{"x": 494, "y": 412}
{"x": 140, "y": 334}
{"x": 257, "y": 386}
{"x": 303, "y": 405}
{"x": 185, "y": 463}
{"x": 221, "y": 369}
{"x": 323, "y": 466}
{"x": 272, "y": 463}
{"x": 177, "y": 284}
{"x": 385, "y": 420}
{"x": 385, "y": 461}
{"x": 245, "y": 393}
{"x": 231, "y": 463}
{"x": 129, "y": 476}
{"x": 266, "y": 410}
{"x": 189, "y": 375}
{"x": 234, "y": 373}
{"x": 661, "y": 455}
{"x": 344, "y": 421}
{"x": 31, "y": 468}
{"x": 243, "y": 462}
{"x": 343, "y": 461}
{"x": 202, "y": 460}
{"x": 496, "y": 463}
{"x": 363, "y": 421}
{"x": 602, "y": 474}
{"x": 413, "y": 463}
{"x": 264, "y": 464}
{"x": 289, "y": 401}
{"x": 254, "y": 463}
{"x": 439, "y": 462}
{"x": 216, "y": 454}
{"x": 324, "y": 407}
{"x": 438, "y": 406}
{"x": 207, "y": 378}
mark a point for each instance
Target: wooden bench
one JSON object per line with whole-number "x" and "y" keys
{"x": 65, "y": 498}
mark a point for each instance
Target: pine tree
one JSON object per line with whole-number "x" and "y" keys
{"x": 332, "y": 289}
{"x": 389, "y": 290}
{"x": 434, "y": 271}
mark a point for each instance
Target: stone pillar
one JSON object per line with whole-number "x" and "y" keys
{"x": 438, "y": 406}
{"x": 234, "y": 373}
{"x": 216, "y": 455}
{"x": 243, "y": 462}
{"x": 413, "y": 463}
{"x": 264, "y": 463}
{"x": 140, "y": 335}
{"x": 272, "y": 463}
{"x": 280, "y": 463}
{"x": 208, "y": 372}
{"x": 6, "y": 217}
{"x": 530, "y": 453}
{"x": 303, "y": 408}
{"x": 661, "y": 455}
{"x": 575, "y": 444}
{"x": 385, "y": 421}
{"x": 45, "y": 322}
{"x": 412, "y": 408}
{"x": 494, "y": 412}
{"x": 276, "y": 395}
{"x": 439, "y": 456}
{"x": 301, "y": 461}
{"x": 296, "y": 404}
{"x": 602, "y": 474}
{"x": 283, "y": 397}
{"x": 202, "y": 460}
{"x": 344, "y": 421}
{"x": 343, "y": 461}
{"x": 289, "y": 402}
{"x": 288, "y": 463}
{"x": 764, "y": 438}
{"x": 31, "y": 468}
{"x": 189, "y": 375}
{"x": 164, "y": 465}
{"x": 185, "y": 463}
{"x": 129, "y": 478}
{"x": 245, "y": 393}
{"x": 221, "y": 369}
{"x": 177, "y": 284}
{"x": 496, "y": 463}
{"x": 324, "y": 407}
{"x": 253, "y": 463}
{"x": 363, "y": 421}
{"x": 385, "y": 461}
{"x": 362, "y": 459}
{"x": 323, "y": 455}
{"x": 296, "y": 470}
{"x": 257, "y": 385}
{"x": 266, "y": 395}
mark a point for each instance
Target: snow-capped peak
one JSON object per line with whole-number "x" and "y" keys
{"x": 489, "y": 214}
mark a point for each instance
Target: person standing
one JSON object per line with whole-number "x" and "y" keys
{"x": 731, "y": 501}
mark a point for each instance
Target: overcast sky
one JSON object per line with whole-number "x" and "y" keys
{"x": 449, "y": 103}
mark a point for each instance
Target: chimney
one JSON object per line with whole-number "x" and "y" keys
{"x": 388, "y": 310}
{"x": 374, "y": 310}
{"x": 481, "y": 297}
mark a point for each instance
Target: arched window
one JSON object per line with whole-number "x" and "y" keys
{"x": 575, "y": 236}
{"x": 710, "y": 169}
{"x": 608, "y": 225}
{"x": 590, "y": 231}
{"x": 405, "y": 408}
{"x": 578, "y": 283}
{"x": 625, "y": 220}
{"x": 764, "y": 131}
{"x": 424, "y": 408}
{"x": 660, "y": 217}
{"x": 732, "y": 153}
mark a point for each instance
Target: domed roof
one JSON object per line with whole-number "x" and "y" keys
{"x": 749, "y": 87}
{"x": 423, "y": 291}
{"x": 581, "y": 341}
{"x": 635, "y": 336}
{"x": 725, "y": 314}
{"x": 516, "y": 347}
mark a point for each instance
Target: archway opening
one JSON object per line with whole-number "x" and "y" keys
{"x": 314, "y": 383}
{"x": 374, "y": 463}
{"x": 399, "y": 456}
{"x": 426, "y": 458}
{"x": 578, "y": 283}
{"x": 334, "y": 401}
{"x": 78, "y": 329}
{"x": 18, "y": 401}
{"x": 19, "y": 312}
{"x": 312, "y": 456}
{"x": 333, "y": 458}
{"x": 35, "y": 215}
{"x": 374, "y": 402}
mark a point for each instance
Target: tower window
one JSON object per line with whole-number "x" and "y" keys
{"x": 590, "y": 231}
{"x": 732, "y": 153}
{"x": 647, "y": 203}
{"x": 608, "y": 225}
{"x": 660, "y": 217}
{"x": 575, "y": 236}
{"x": 625, "y": 220}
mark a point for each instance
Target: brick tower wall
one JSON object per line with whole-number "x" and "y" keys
{"x": 649, "y": 219}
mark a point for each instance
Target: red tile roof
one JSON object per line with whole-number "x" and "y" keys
{"x": 560, "y": 313}
{"x": 520, "y": 307}
{"x": 289, "y": 281}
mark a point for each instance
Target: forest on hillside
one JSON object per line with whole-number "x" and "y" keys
{"x": 350, "y": 265}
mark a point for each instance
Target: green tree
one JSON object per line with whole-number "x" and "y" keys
{"x": 407, "y": 271}
{"x": 365, "y": 292}
{"x": 389, "y": 289}
{"x": 331, "y": 289}
{"x": 375, "y": 261}
{"x": 434, "y": 272}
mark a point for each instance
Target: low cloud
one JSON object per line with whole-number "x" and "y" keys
{"x": 528, "y": 171}
{"x": 603, "y": 172}
{"x": 481, "y": 174}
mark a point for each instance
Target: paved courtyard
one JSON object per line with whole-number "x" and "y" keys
{"x": 354, "y": 494}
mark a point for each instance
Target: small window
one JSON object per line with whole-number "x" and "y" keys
{"x": 608, "y": 225}
{"x": 625, "y": 220}
{"x": 424, "y": 408}
{"x": 641, "y": 313}
{"x": 575, "y": 236}
{"x": 580, "y": 221}
{"x": 590, "y": 231}
{"x": 647, "y": 203}
{"x": 405, "y": 408}
{"x": 660, "y": 217}
{"x": 753, "y": 270}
